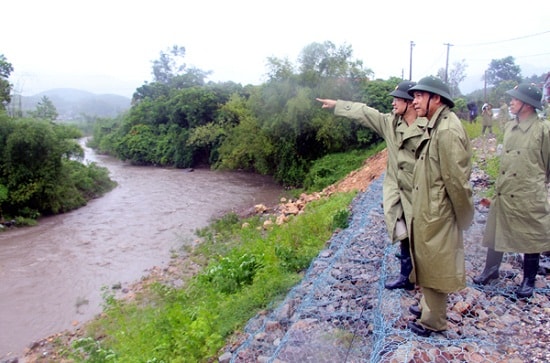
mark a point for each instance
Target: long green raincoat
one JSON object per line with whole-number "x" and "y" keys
{"x": 442, "y": 203}
{"x": 519, "y": 217}
{"x": 401, "y": 142}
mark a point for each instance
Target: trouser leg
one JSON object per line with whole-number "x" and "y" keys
{"x": 492, "y": 264}
{"x": 434, "y": 309}
{"x": 530, "y": 268}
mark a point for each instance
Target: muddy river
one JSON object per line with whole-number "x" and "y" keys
{"x": 52, "y": 275}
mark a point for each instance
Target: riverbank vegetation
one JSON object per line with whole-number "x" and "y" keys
{"x": 244, "y": 267}
{"x": 41, "y": 170}
{"x": 276, "y": 128}
{"x": 180, "y": 120}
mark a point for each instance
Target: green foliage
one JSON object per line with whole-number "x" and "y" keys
{"x": 138, "y": 145}
{"x": 341, "y": 219}
{"x": 501, "y": 70}
{"x": 231, "y": 273}
{"x": 45, "y": 110}
{"x": 472, "y": 129}
{"x": 5, "y": 87}
{"x": 276, "y": 128}
{"x": 333, "y": 167}
{"x": 246, "y": 146}
{"x": 39, "y": 171}
{"x": 191, "y": 324}
{"x": 377, "y": 94}
{"x": 488, "y": 163}
{"x": 92, "y": 351}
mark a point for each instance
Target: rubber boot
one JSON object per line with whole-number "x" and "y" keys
{"x": 492, "y": 264}
{"x": 530, "y": 268}
{"x": 402, "y": 281}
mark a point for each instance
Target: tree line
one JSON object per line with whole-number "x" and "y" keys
{"x": 41, "y": 168}
{"x": 180, "y": 120}
{"x": 276, "y": 128}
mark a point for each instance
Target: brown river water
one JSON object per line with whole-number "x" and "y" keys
{"x": 52, "y": 275}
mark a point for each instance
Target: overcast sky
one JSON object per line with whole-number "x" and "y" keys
{"x": 107, "y": 46}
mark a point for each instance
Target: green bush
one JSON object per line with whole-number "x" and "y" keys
{"x": 232, "y": 272}
{"x": 341, "y": 219}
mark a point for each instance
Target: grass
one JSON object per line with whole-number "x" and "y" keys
{"x": 334, "y": 167}
{"x": 490, "y": 164}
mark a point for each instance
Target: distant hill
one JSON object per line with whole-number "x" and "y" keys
{"x": 74, "y": 104}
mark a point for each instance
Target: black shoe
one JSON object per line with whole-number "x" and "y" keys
{"x": 420, "y": 330}
{"x": 525, "y": 290}
{"x": 487, "y": 276}
{"x": 415, "y": 310}
{"x": 401, "y": 282}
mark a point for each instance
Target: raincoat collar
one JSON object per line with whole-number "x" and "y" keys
{"x": 526, "y": 124}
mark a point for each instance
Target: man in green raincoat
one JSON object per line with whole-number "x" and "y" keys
{"x": 519, "y": 217}
{"x": 401, "y": 130}
{"x": 442, "y": 204}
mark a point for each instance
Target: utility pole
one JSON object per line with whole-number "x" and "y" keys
{"x": 411, "y": 62}
{"x": 447, "y": 63}
{"x": 485, "y": 87}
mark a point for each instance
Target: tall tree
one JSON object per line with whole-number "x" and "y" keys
{"x": 457, "y": 74}
{"x": 5, "y": 87}
{"x": 169, "y": 64}
{"x": 503, "y": 69}
{"x": 45, "y": 110}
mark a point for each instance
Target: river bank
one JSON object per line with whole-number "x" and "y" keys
{"x": 52, "y": 275}
{"x": 341, "y": 312}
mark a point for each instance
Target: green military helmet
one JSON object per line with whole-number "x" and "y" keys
{"x": 436, "y": 86}
{"x": 401, "y": 90}
{"x": 527, "y": 93}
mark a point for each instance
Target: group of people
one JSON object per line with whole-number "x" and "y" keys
{"x": 428, "y": 198}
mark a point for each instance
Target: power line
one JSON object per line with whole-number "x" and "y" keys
{"x": 503, "y": 41}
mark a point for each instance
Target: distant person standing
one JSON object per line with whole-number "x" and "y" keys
{"x": 503, "y": 114}
{"x": 486, "y": 119}
{"x": 519, "y": 216}
{"x": 402, "y": 131}
{"x": 472, "y": 111}
{"x": 442, "y": 205}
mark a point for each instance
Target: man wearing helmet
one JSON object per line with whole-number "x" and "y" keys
{"x": 487, "y": 119}
{"x": 401, "y": 130}
{"x": 518, "y": 219}
{"x": 442, "y": 205}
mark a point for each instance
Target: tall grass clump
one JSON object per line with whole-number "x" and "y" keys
{"x": 246, "y": 267}
{"x": 334, "y": 167}
{"x": 487, "y": 162}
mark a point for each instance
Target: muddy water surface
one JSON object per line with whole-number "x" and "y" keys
{"x": 52, "y": 275}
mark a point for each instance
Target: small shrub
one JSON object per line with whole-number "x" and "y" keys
{"x": 292, "y": 259}
{"x": 231, "y": 273}
{"x": 92, "y": 351}
{"x": 340, "y": 219}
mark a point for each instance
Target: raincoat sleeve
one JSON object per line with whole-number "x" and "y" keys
{"x": 546, "y": 148}
{"x": 455, "y": 160}
{"x": 365, "y": 115}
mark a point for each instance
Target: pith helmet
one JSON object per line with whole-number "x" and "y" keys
{"x": 528, "y": 93}
{"x": 401, "y": 90}
{"x": 433, "y": 85}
